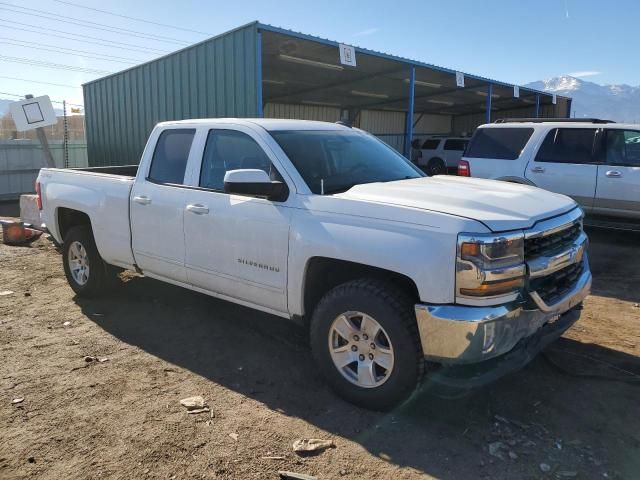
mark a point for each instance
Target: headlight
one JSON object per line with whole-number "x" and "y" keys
{"x": 490, "y": 266}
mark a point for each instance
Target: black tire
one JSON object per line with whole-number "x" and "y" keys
{"x": 101, "y": 276}
{"x": 436, "y": 166}
{"x": 394, "y": 312}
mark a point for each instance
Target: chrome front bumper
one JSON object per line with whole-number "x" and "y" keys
{"x": 457, "y": 334}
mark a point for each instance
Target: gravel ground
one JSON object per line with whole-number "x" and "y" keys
{"x": 574, "y": 412}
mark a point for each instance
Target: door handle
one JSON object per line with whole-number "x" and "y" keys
{"x": 537, "y": 170}
{"x": 142, "y": 199}
{"x": 198, "y": 209}
{"x": 613, "y": 173}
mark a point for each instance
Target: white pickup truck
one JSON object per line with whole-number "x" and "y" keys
{"x": 322, "y": 223}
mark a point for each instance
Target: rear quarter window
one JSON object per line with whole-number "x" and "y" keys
{"x": 430, "y": 144}
{"x": 455, "y": 144}
{"x": 567, "y": 145}
{"x": 498, "y": 143}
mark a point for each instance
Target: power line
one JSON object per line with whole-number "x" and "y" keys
{"x": 43, "y": 83}
{"x": 55, "y": 66}
{"x": 70, "y": 49}
{"x": 133, "y": 18}
{"x": 76, "y": 40}
{"x": 89, "y": 24}
{"x": 75, "y": 54}
{"x": 52, "y": 101}
{"x": 47, "y": 29}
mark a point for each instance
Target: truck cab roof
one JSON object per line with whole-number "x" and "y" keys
{"x": 269, "y": 124}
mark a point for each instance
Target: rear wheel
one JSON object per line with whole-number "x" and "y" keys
{"x": 87, "y": 274}
{"x": 436, "y": 166}
{"x": 365, "y": 340}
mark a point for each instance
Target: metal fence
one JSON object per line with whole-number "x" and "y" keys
{"x": 21, "y": 160}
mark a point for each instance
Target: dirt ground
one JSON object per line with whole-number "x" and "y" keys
{"x": 573, "y": 412}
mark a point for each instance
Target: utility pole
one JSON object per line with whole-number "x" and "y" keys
{"x": 42, "y": 136}
{"x": 65, "y": 144}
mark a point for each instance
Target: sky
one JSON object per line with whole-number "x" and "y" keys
{"x": 512, "y": 41}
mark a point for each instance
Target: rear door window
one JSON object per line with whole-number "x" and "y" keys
{"x": 431, "y": 144}
{"x": 455, "y": 144}
{"x": 170, "y": 156}
{"x": 498, "y": 143}
{"x": 567, "y": 145}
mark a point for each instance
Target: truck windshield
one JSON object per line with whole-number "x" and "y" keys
{"x": 333, "y": 161}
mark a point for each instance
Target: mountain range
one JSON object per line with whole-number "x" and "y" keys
{"x": 613, "y": 102}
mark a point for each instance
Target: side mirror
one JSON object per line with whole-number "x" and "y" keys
{"x": 254, "y": 182}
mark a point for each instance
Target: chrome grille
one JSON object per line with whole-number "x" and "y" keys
{"x": 548, "y": 244}
{"x": 556, "y": 285}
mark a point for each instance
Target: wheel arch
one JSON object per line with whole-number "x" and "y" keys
{"x": 324, "y": 273}
{"x": 520, "y": 180}
{"x": 67, "y": 218}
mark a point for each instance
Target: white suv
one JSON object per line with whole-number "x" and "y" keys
{"x": 596, "y": 162}
{"x": 437, "y": 154}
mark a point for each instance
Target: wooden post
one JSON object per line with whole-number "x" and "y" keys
{"x": 44, "y": 143}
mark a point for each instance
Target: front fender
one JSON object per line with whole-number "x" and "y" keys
{"x": 425, "y": 254}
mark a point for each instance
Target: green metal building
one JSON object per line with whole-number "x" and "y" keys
{"x": 262, "y": 71}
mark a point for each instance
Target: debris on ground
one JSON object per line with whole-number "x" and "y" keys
{"x": 15, "y": 401}
{"x": 5, "y": 293}
{"x": 284, "y": 475}
{"x": 194, "y": 404}
{"x": 234, "y": 436}
{"x": 545, "y": 467}
{"x": 273, "y": 457}
{"x": 567, "y": 473}
{"x": 495, "y": 449}
{"x": 91, "y": 358}
{"x": 66, "y": 324}
{"x": 305, "y": 445}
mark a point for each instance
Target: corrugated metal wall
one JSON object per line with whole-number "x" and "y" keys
{"x": 302, "y": 112}
{"x": 386, "y": 125}
{"x": 468, "y": 123}
{"x": 215, "y": 78}
{"x": 21, "y": 160}
{"x": 430, "y": 124}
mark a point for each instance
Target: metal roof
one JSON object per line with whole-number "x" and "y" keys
{"x": 408, "y": 61}
{"x": 292, "y": 33}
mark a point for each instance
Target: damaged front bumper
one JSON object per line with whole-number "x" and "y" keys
{"x": 457, "y": 334}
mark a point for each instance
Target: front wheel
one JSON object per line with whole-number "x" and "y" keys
{"x": 365, "y": 340}
{"x": 87, "y": 274}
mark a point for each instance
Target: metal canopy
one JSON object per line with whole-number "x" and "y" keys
{"x": 301, "y": 69}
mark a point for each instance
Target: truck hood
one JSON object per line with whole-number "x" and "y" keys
{"x": 501, "y": 206}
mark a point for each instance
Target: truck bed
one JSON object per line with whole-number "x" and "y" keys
{"x": 102, "y": 194}
{"x": 120, "y": 170}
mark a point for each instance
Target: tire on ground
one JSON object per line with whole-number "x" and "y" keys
{"x": 101, "y": 275}
{"x": 394, "y": 311}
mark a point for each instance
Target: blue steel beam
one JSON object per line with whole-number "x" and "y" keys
{"x": 259, "y": 111}
{"x": 489, "y": 99}
{"x": 568, "y": 108}
{"x": 537, "y": 105}
{"x": 408, "y": 134}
